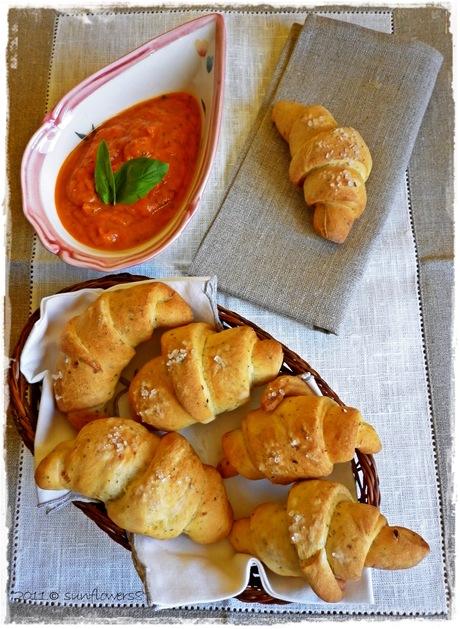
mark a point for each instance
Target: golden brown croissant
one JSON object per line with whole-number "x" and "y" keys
{"x": 201, "y": 374}
{"x": 150, "y": 485}
{"x": 322, "y": 535}
{"x": 99, "y": 343}
{"x": 295, "y": 434}
{"x": 332, "y": 164}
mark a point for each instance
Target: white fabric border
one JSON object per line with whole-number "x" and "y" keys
{"x": 376, "y": 365}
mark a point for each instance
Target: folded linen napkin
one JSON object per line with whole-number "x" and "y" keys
{"x": 261, "y": 244}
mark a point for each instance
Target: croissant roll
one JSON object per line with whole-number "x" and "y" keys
{"x": 98, "y": 344}
{"x": 294, "y": 435}
{"x": 150, "y": 485}
{"x": 331, "y": 163}
{"x": 324, "y": 536}
{"x": 201, "y": 374}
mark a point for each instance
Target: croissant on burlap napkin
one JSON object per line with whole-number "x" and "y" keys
{"x": 261, "y": 244}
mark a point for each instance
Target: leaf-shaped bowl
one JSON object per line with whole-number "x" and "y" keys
{"x": 189, "y": 58}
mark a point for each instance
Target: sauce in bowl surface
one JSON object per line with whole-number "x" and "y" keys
{"x": 166, "y": 128}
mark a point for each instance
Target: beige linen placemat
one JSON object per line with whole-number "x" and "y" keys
{"x": 261, "y": 245}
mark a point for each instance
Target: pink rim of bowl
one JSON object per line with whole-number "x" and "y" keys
{"x": 188, "y": 58}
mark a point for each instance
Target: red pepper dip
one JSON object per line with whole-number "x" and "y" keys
{"x": 166, "y": 128}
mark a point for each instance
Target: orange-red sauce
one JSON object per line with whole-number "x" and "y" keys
{"x": 166, "y": 128}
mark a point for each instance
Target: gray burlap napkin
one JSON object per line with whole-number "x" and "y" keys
{"x": 261, "y": 244}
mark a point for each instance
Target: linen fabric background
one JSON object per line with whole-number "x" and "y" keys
{"x": 392, "y": 359}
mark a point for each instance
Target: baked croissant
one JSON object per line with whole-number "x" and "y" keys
{"x": 202, "y": 373}
{"x": 99, "y": 343}
{"x": 322, "y": 535}
{"x": 150, "y": 485}
{"x": 294, "y": 435}
{"x": 332, "y": 164}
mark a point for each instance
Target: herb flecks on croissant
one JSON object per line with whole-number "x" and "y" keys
{"x": 99, "y": 343}
{"x": 324, "y": 536}
{"x": 294, "y": 435}
{"x": 201, "y": 374}
{"x": 331, "y": 162}
{"x": 151, "y": 485}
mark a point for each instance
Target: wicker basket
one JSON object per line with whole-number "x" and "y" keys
{"x": 25, "y": 400}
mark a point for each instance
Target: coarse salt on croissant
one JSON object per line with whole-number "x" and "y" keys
{"x": 294, "y": 435}
{"x": 201, "y": 374}
{"x": 324, "y": 536}
{"x": 332, "y": 163}
{"x": 155, "y": 486}
{"x": 100, "y": 342}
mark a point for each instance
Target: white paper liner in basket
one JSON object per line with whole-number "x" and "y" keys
{"x": 174, "y": 572}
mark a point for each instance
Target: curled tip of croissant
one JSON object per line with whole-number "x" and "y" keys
{"x": 226, "y": 469}
{"x": 283, "y": 386}
{"x": 395, "y": 548}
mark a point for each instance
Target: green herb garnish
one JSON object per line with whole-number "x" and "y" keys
{"x": 103, "y": 175}
{"x": 132, "y": 181}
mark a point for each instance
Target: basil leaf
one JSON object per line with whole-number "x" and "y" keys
{"x": 132, "y": 181}
{"x": 103, "y": 175}
{"x": 136, "y": 177}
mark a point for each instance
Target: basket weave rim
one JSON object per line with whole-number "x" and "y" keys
{"x": 25, "y": 397}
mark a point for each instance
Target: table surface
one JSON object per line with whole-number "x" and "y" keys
{"x": 413, "y": 264}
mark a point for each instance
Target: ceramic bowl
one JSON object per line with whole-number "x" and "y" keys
{"x": 188, "y": 58}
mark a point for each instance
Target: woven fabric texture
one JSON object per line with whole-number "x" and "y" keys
{"x": 262, "y": 244}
